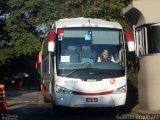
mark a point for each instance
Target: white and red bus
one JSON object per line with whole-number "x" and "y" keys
{"x": 71, "y": 74}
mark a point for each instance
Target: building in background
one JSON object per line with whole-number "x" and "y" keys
{"x": 144, "y": 16}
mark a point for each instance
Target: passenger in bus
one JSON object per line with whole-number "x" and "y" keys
{"x": 140, "y": 51}
{"x": 104, "y": 56}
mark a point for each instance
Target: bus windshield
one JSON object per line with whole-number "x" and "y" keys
{"x": 90, "y": 52}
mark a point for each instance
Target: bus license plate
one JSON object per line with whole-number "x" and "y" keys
{"x": 91, "y": 99}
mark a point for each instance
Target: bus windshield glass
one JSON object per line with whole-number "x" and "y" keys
{"x": 90, "y": 52}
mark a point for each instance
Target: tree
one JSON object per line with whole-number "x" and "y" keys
{"x": 20, "y": 27}
{"x": 3, "y": 8}
{"x": 5, "y": 54}
{"x": 110, "y": 10}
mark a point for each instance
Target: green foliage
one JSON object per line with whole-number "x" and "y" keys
{"x": 21, "y": 34}
{"x": 6, "y": 55}
{"x": 111, "y": 10}
{"x": 24, "y": 16}
{"x": 132, "y": 76}
{"x": 132, "y": 68}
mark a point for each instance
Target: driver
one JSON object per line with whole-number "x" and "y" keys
{"x": 104, "y": 56}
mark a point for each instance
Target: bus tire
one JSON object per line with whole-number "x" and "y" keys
{"x": 46, "y": 100}
{"x": 58, "y": 110}
{"x": 121, "y": 109}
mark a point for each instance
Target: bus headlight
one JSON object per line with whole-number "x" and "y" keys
{"x": 122, "y": 89}
{"x": 62, "y": 90}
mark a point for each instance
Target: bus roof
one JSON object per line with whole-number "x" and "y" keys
{"x": 86, "y": 22}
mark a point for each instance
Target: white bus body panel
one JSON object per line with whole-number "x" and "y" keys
{"x": 103, "y": 88}
{"x": 86, "y": 22}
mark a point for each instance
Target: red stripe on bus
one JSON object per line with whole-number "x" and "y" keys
{"x": 92, "y": 94}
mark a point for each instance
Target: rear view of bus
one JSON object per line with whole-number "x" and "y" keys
{"x": 80, "y": 76}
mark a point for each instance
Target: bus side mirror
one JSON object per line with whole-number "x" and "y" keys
{"x": 51, "y": 41}
{"x": 130, "y": 41}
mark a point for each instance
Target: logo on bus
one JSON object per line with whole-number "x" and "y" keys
{"x": 71, "y": 81}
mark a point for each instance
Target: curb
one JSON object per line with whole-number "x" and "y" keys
{"x": 10, "y": 103}
{"x": 140, "y": 111}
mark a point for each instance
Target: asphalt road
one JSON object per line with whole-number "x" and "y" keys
{"x": 28, "y": 105}
{"x": 45, "y": 112}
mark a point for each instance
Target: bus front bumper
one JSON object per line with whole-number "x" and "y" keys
{"x": 70, "y": 100}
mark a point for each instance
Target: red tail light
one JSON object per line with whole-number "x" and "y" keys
{"x": 60, "y": 32}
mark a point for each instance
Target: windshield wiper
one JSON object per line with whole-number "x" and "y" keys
{"x": 90, "y": 73}
{"x": 73, "y": 71}
{"x": 103, "y": 73}
{"x": 116, "y": 74}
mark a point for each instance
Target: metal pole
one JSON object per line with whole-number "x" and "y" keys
{"x": 82, "y": 10}
{"x": 105, "y": 13}
{"x": 49, "y": 62}
{"x": 42, "y": 55}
